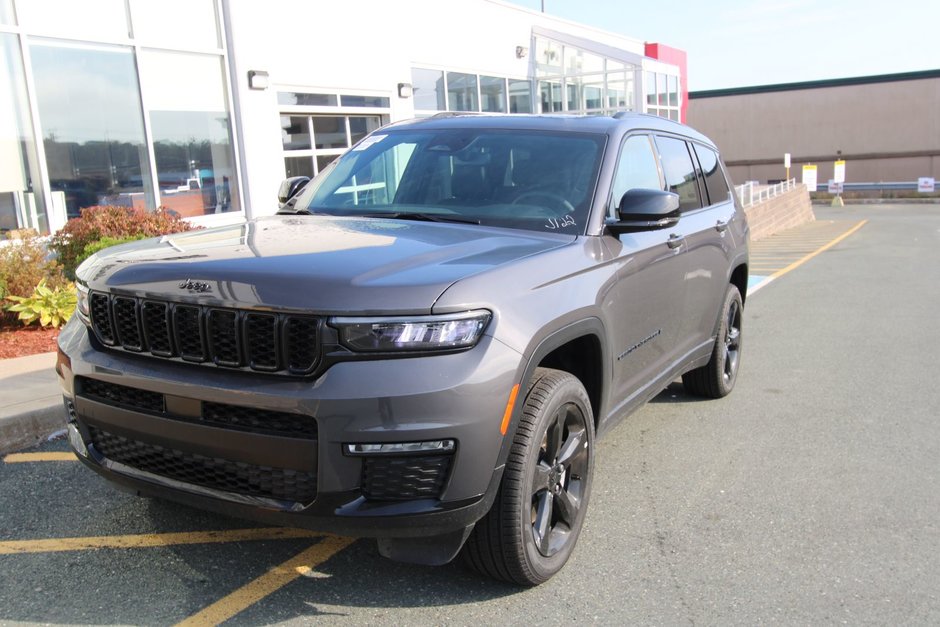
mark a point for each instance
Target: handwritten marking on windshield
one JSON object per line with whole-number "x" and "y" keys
{"x": 556, "y": 223}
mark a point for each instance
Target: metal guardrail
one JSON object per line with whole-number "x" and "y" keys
{"x": 752, "y": 193}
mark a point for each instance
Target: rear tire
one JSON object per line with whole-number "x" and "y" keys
{"x": 716, "y": 378}
{"x": 535, "y": 521}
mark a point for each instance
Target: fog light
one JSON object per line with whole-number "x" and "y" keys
{"x": 75, "y": 439}
{"x": 400, "y": 448}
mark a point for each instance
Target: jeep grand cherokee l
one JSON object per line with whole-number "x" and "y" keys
{"x": 424, "y": 344}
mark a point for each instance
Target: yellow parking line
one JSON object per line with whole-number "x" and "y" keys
{"x": 153, "y": 539}
{"x": 18, "y": 458}
{"x": 273, "y": 580}
{"x": 803, "y": 260}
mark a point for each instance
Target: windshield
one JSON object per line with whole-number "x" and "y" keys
{"x": 541, "y": 181}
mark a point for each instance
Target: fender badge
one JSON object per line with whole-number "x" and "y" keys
{"x": 195, "y": 286}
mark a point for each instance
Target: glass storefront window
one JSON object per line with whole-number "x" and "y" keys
{"x": 616, "y": 90}
{"x": 428, "y": 89}
{"x": 520, "y": 96}
{"x": 329, "y": 132}
{"x": 191, "y": 127}
{"x": 548, "y": 57}
{"x": 462, "y": 92}
{"x": 673, "y": 86}
{"x": 661, "y": 90}
{"x": 298, "y": 166}
{"x": 378, "y": 102}
{"x": 581, "y": 62}
{"x": 21, "y": 202}
{"x": 492, "y": 94}
{"x": 88, "y": 19}
{"x": 175, "y": 23}
{"x": 551, "y": 96}
{"x": 592, "y": 91}
{"x": 360, "y": 126}
{"x": 306, "y": 100}
{"x": 295, "y": 132}
{"x": 92, "y": 125}
{"x": 650, "y": 88}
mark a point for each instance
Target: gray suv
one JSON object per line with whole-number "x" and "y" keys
{"x": 426, "y": 341}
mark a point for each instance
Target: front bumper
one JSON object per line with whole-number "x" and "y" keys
{"x": 148, "y": 432}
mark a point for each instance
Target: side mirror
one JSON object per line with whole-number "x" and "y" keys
{"x": 645, "y": 210}
{"x": 290, "y": 188}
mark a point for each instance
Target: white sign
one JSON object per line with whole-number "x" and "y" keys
{"x": 809, "y": 177}
{"x": 835, "y": 187}
{"x": 838, "y": 173}
{"x": 786, "y": 159}
{"x": 925, "y": 184}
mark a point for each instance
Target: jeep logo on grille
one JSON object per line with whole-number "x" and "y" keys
{"x": 195, "y": 286}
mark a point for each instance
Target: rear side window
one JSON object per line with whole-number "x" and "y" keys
{"x": 679, "y": 171}
{"x": 636, "y": 169}
{"x": 715, "y": 181}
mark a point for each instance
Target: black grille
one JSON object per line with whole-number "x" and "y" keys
{"x": 222, "y": 415}
{"x": 101, "y": 318}
{"x": 404, "y": 478}
{"x": 211, "y": 472}
{"x": 114, "y": 394}
{"x": 265, "y": 342}
{"x": 259, "y": 420}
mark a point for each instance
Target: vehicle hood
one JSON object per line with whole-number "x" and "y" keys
{"x": 321, "y": 264}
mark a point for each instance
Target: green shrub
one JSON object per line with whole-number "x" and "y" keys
{"x": 104, "y": 242}
{"x": 24, "y": 263}
{"x": 110, "y": 221}
{"x": 47, "y": 306}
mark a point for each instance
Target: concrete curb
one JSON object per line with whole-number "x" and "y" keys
{"x": 30, "y": 401}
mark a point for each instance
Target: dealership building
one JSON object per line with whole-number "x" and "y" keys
{"x": 204, "y": 106}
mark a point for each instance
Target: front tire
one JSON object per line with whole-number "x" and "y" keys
{"x": 716, "y": 378}
{"x": 534, "y": 524}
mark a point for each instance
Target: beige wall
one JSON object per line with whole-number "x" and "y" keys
{"x": 886, "y": 131}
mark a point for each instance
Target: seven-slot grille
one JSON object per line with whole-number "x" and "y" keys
{"x": 231, "y": 338}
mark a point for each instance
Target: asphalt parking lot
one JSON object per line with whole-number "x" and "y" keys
{"x": 810, "y": 495}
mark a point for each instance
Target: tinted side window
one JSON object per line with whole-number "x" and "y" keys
{"x": 636, "y": 169}
{"x": 715, "y": 181}
{"x": 679, "y": 171}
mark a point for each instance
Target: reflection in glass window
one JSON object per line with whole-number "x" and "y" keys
{"x": 715, "y": 182}
{"x": 493, "y": 94}
{"x": 428, "y": 89}
{"x": 462, "y": 92}
{"x": 21, "y": 203}
{"x": 650, "y": 87}
{"x": 364, "y": 101}
{"x": 673, "y": 86}
{"x": 661, "y": 90}
{"x": 329, "y": 131}
{"x": 306, "y": 100}
{"x": 93, "y": 132}
{"x": 520, "y": 96}
{"x": 295, "y": 132}
{"x": 573, "y": 88}
{"x": 325, "y": 160}
{"x": 191, "y": 126}
{"x": 551, "y": 96}
{"x": 175, "y": 23}
{"x": 362, "y": 125}
{"x": 298, "y": 166}
{"x": 679, "y": 172}
{"x": 593, "y": 92}
{"x": 636, "y": 169}
{"x": 548, "y": 57}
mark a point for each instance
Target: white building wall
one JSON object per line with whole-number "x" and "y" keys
{"x": 366, "y": 47}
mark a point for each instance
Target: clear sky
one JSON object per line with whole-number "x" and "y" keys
{"x": 732, "y": 43}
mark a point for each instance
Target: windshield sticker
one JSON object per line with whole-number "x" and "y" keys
{"x": 369, "y": 141}
{"x": 556, "y": 223}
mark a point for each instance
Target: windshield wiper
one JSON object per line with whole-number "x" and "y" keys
{"x": 418, "y": 216}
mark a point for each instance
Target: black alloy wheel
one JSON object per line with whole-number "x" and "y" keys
{"x": 716, "y": 378}
{"x": 534, "y": 524}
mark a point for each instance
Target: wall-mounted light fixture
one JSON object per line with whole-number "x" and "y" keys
{"x": 521, "y": 52}
{"x": 257, "y": 80}
{"x": 405, "y": 90}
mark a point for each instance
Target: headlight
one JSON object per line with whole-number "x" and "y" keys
{"x": 81, "y": 302}
{"x": 413, "y": 333}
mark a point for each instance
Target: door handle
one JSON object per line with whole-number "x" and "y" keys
{"x": 675, "y": 241}
{"x": 721, "y": 226}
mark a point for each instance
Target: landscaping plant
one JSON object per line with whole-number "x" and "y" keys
{"x": 47, "y": 306}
